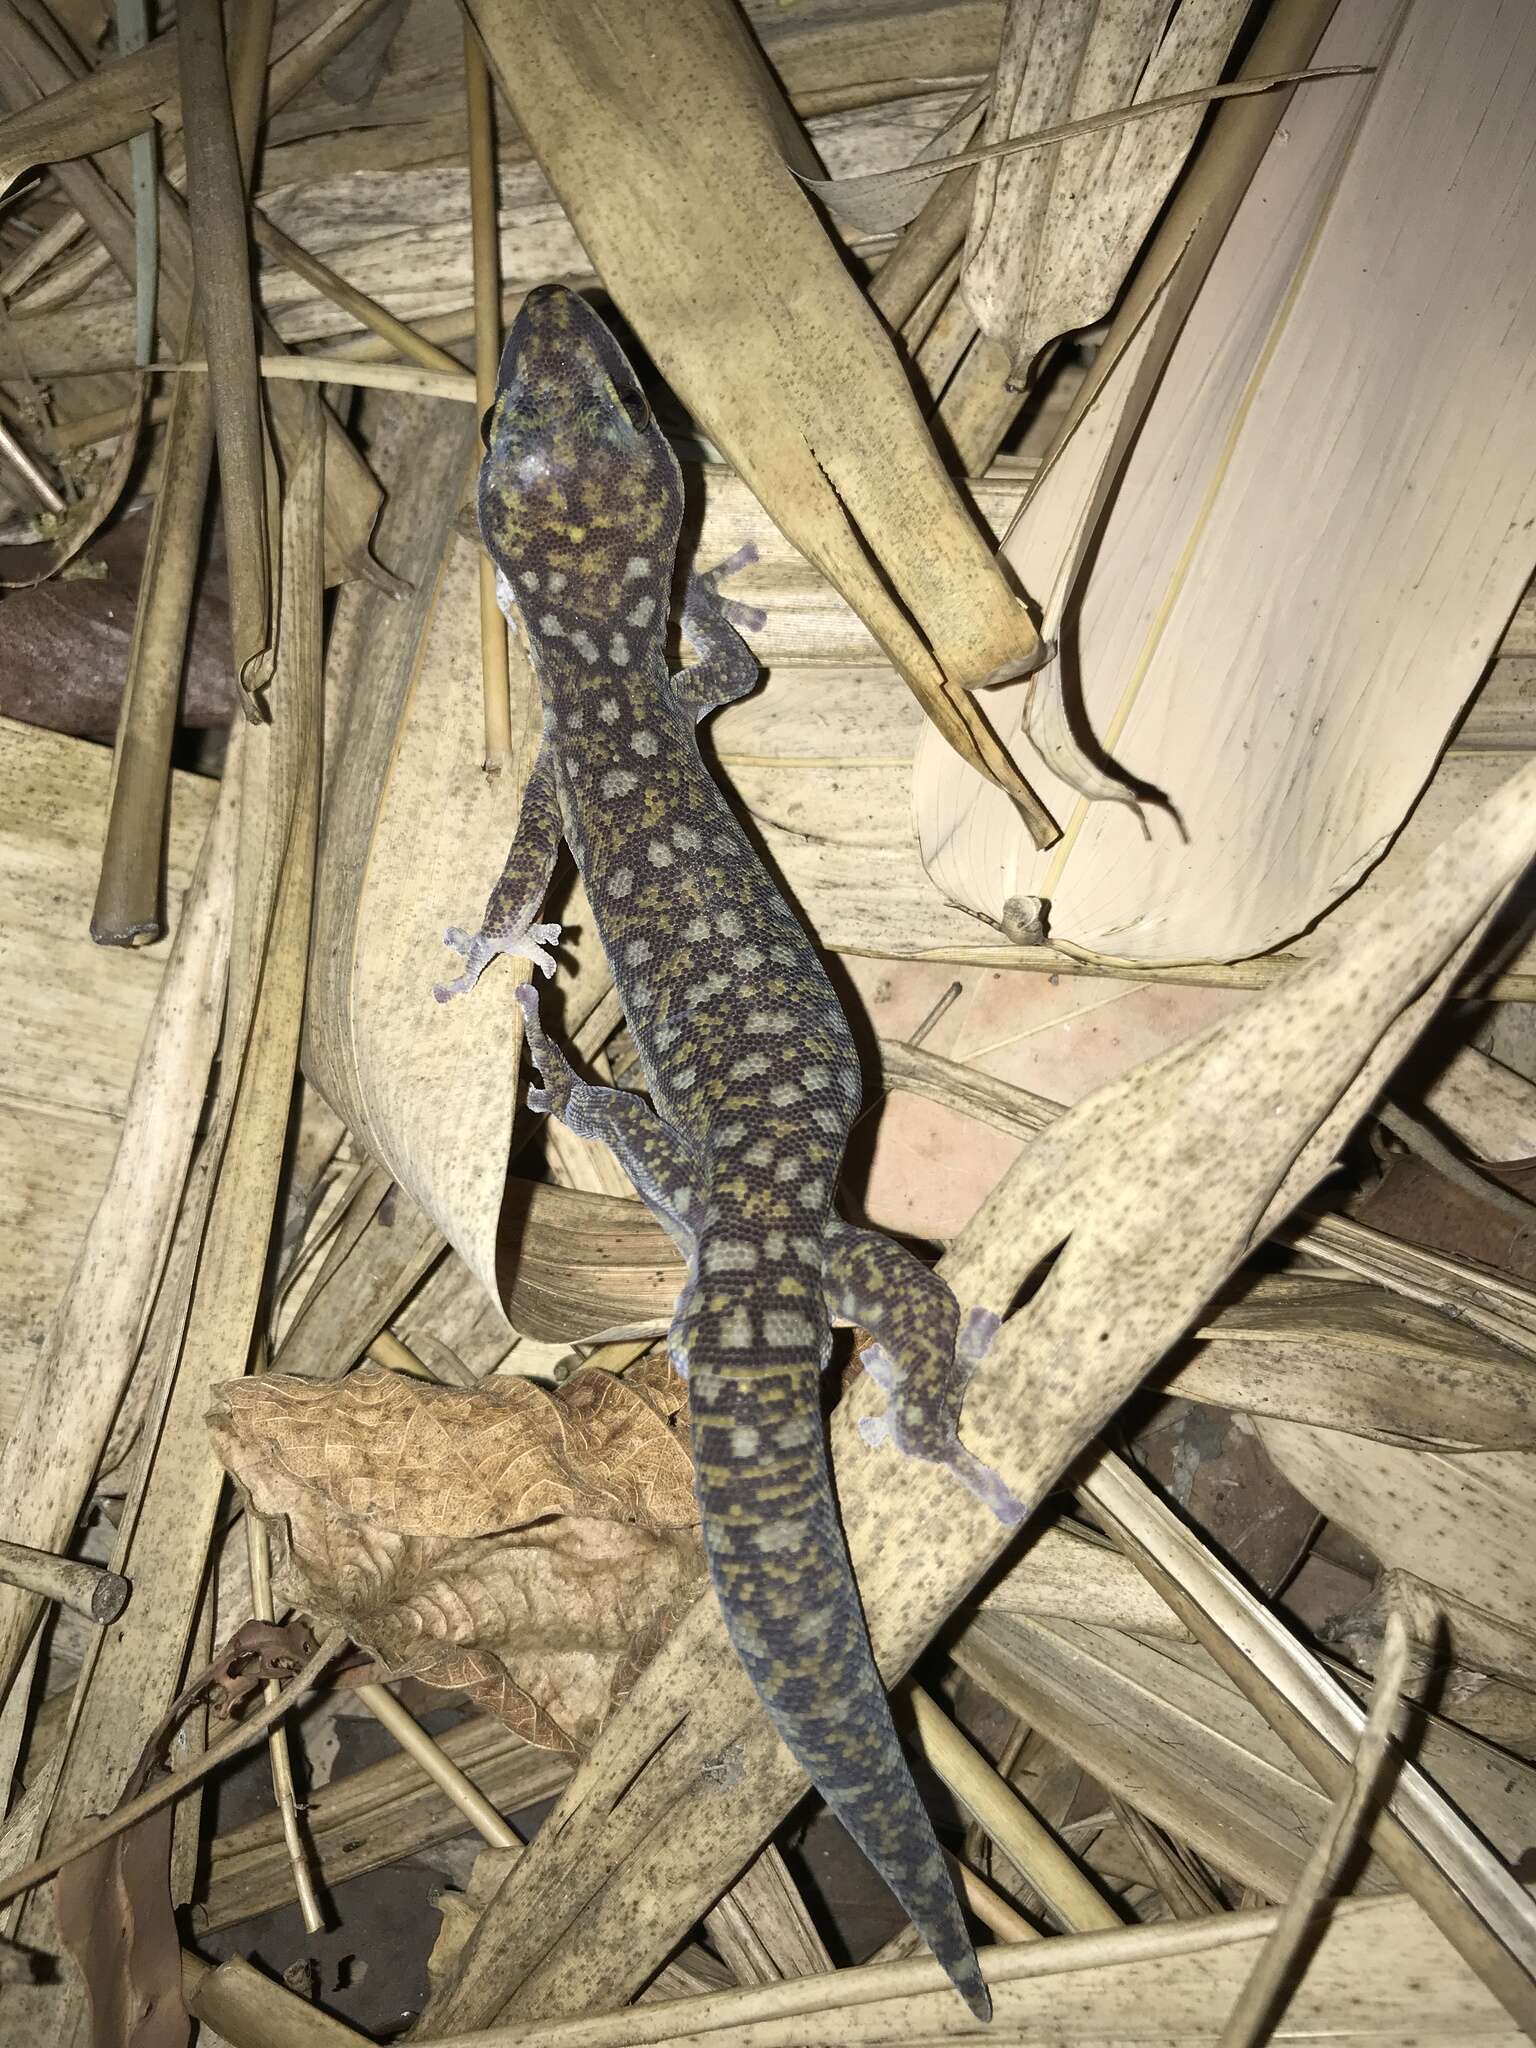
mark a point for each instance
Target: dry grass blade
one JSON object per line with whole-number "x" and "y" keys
{"x": 1008, "y": 1820}
{"x": 1463, "y": 1887}
{"x": 1253, "y": 2018}
{"x": 47, "y": 1464}
{"x": 760, "y": 329}
{"x": 218, "y": 166}
{"x": 114, "y": 101}
{"x": 404, "y": 340}
{"x": 259, "y": 1559}
{"x": 495, "y": 674}
{"x": 885, "y": 200}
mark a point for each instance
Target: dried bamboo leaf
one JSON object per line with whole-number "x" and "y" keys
{"x": 78, "y": 1381}
{"x": 1052, "y": 237}
{"x": 1265, "y": 1994}
{"x": 1243, "y": 421}
{"x": 1377, "y": 1972}
{"x": 1488, "y": 1107}
{"x": 410, "y": 1517}
{"x": 218, "y": 166}
{"x": 761, "y": 1929}
{"x": 138, "y": 1667}
{"x": 1463, "y": 1522}
{"x": 749, "y": 312}
{"x": 1223, "y": 1136}
{"x": 114, "y": 1912}
{"x": 1464, "y": 1888}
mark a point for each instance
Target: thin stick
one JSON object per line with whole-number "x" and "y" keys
{"x": 440, "y": 1768}
{"x": 336, "y": 370}
{"x": 495, "y": 671}
{"x": 88, "y": 1589}
{"x": 12, "y": 452}
{"x": 259, "y": 1555}
{"x": 1018, "y": 1832}
{"x": 172, "y": 1787}
{"x": 995, "y": 1913}
{"x": 371, "y": 314}
{"x": 1261, "y": 2001}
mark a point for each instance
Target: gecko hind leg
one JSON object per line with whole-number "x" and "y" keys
{"x": 922, "y": 1356}
{"x": 649, "y": 1151}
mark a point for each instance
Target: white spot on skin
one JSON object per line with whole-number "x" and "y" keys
{"x": 620, "y": 882}
{"x": 637, "y": 950}
{"x": 787, "y": 1169}
{"x": 696, "y": 930}
{"x": 791, "y": 1435}
{"x": 815, "y": 1077}
{"x": 608, "y": 709}
{"x": 752, "y": 1068}
{"x": 727, "y": 1256}
{"x": 643, "y": 742}
{"x": 731, "y": 926}
{"x": 550, "y": 626}
{"x": 760, "y": 1154}
{"x": 640, "y": 611}
{"x": 685, "y": 837}
{"x": 827, "y": 1120}
{"x": 767, "y": 1022}
{"x": 784, "y": 1094}
{"x": 666, "y": 1036}
{"x": 747, "y": 958}
{"x": 618, "y": 782}
{"x": 528, "y": 580}
{"x": 731, "y": 1134}
{"x": 659, "y": 854}
{"x": 811, "y": 1193}
{"x": 636, "y": 567}
{"x": 618, "y": 651}
{"x": 773, "y": 1244}
{"x": 807, "y": 1250}
{"x": 556, "y": 582}
{"x": 736, "y": 1330}
{"x": 784, "y": 1535}
{"x": 744, "y": 1440}
{"x": 641, "y": 993}
{"x": 684, "y": 1077}
{"x": 784, "y": 1328}
{"x": 584, "y": 645}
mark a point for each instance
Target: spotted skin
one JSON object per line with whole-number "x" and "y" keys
{"x": 747, "y": 1057}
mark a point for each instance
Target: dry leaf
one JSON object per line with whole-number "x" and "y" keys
{"x": 531, "y": 1549}
{"x": 1319, "y": 533}
{"x": 83, "y": 519}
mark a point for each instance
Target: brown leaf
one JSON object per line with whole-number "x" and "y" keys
{"x": 113, "y": 1906}
{"x": 530, "y": 1549}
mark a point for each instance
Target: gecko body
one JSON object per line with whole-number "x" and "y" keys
{"x": 747, "y": 1057}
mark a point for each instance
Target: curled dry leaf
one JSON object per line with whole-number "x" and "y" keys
{"x": 528, "y": 1548}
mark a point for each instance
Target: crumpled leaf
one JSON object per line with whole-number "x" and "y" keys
{"x": 530, "y": 1549}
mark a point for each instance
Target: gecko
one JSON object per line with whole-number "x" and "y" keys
{"x": 748, "y": 1060}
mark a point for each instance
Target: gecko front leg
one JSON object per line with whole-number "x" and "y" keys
{"x": 508, "y": 925}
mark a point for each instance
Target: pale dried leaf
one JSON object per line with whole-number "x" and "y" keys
{"x": 1262, "y": 603}
{"x": 1053, "y": 232}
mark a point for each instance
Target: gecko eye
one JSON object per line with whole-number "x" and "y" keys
{"x": 639, "y": 412}
{"x": 485, "y": 425}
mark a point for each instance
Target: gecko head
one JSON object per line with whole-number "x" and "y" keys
{"x": 578, "y": 479}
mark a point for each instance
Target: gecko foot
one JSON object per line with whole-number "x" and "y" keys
{"x": 560, "y": 1081}
{"x": 746, "y": 618}
{"x": 530, "y": 943}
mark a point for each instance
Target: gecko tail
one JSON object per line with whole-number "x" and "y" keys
{"x": 781, "y": 1573}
